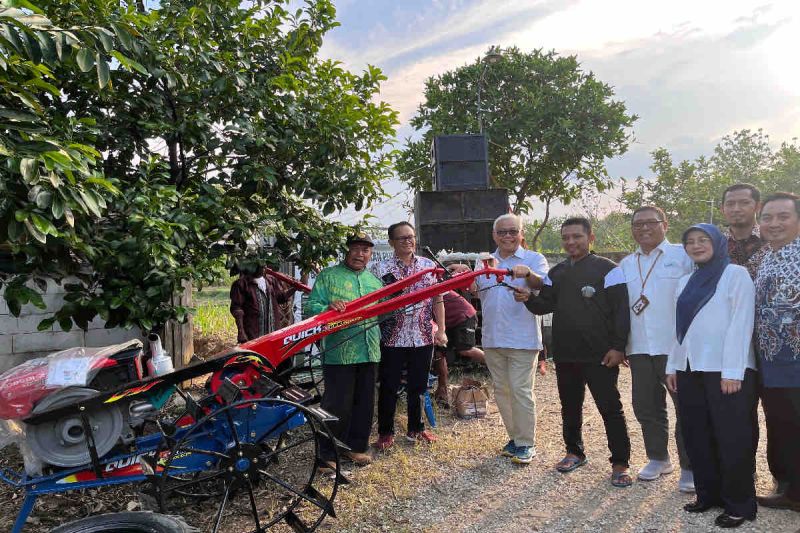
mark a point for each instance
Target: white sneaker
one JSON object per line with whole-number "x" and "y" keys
{"x": 686, "y": 483}
{"x": 655, "y": 469}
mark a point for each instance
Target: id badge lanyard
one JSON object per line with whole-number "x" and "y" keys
{"x": 641, "y": 304}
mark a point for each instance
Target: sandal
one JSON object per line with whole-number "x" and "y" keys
{"x": 621, "y": 479}
{"x": 570, "y": 463}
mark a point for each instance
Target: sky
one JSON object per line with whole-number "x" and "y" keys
{"x": 693, "y": 71}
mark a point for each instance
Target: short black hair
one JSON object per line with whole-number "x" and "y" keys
{"x": 653, "y": 208}
{"x": 754, "y": 192}
{"x": 578, "y": 221}
{"x": 397, "y": 225}
{"x": 783, "y": 196}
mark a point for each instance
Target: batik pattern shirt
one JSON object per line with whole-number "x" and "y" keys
{"x": 410, "y": 326}
{"x": 747, "y": 252}
{"x": 778, "y": 316}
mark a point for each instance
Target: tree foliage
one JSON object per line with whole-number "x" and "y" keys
{"x": 550, "y": 124}
{"x": 142, "y": 144}
{"x": 691, "y": 191}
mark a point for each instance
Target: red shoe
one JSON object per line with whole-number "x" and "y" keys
{"x": 421, "y": 436}
{"x": 384, "y": 442}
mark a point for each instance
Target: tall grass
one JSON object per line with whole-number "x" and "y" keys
{"x": 214, "y": 318}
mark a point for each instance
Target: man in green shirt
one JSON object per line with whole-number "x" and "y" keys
{"x": 349, "y": 357}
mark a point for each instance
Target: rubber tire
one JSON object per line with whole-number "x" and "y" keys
{"x": 127, "y": 522}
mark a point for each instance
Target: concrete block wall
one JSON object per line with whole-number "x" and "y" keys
{"x": 21, "y": 340}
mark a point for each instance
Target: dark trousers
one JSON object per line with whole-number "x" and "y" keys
{"x": 417, "y": 361}
{"x": 649, "y": 398}
{"x": 782, "y": 412}
{"x": 718, "y": 434}
{"x": 572, "y": 379}
{"x": 349, "y": 394}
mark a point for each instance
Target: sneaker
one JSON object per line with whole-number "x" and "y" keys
{"x": 523, "y": 454}
{"x": 384, "y": 442}
{"x": 509, "y": 449}
{"x": 421, "y": 436}
{"x": 686, "y": 483}
{"x": 655, "y": 469}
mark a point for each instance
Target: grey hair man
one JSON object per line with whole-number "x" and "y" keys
{"x": 511, "y": 336}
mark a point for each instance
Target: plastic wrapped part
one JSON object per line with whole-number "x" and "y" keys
{"x": 24, "y": 385}
{"x": 13, "y": 432}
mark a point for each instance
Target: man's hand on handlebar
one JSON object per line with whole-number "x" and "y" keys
{"x": 338, "y": 305}
{"x": 532, "y": 279}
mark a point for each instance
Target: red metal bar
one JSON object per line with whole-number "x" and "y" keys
{"x": 282, "y": 344}
{"x": 288, "y": 279}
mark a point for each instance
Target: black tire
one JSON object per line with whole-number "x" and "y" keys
{"x": 138, "y": 522}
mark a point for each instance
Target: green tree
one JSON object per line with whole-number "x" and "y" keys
{"x": 550, "y": 124}
{"x": 218, "y": 126}
{"x": 691, "y": 191}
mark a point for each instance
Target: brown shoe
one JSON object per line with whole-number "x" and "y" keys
{"x": 779, "y": 501}
{"x": 360, "y": 459}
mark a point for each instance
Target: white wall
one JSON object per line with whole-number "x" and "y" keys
{"x": 20, "y": 338}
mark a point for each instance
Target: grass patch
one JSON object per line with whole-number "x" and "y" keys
{"x": 214, "y": 319}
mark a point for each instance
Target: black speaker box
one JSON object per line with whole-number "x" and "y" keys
{"x": 460, "y": 162}
{"x": 459, "y": 206}
{"x": 474, "y": 236}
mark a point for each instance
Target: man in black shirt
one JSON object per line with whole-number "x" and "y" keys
{"x": 589, "y": 301}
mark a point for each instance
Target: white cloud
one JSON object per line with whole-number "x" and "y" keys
{"x": 693, "y": 70}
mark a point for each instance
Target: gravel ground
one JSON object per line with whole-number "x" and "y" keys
{"x": 461, "y": 484}
{"x": 485, "y": 492}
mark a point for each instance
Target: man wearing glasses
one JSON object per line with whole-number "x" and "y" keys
{"x": 511, "y": 337}
{"x": 652, "y": 273}
{"x": 407, "y": 339}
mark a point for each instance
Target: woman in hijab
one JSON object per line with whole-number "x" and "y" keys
{"x": 712, "y": 368}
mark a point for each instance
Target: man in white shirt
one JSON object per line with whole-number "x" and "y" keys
{"x": 511, "y": 337}
{"x": 652, "y": 274}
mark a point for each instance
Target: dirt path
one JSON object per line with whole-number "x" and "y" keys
{"x": 484, "y": 492}
{"x": 460, "y": 484}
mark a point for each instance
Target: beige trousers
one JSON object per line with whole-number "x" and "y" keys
{"x": 513, "y": 375}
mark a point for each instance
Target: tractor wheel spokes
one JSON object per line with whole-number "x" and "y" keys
{"x": 212, "y": 453}
{"x": 325, "y": 506}
{"x": 218, "y": 518}
{"x": 275, "y": 426}
{"x": 195, "y": 481}
{"x": 297, "y": 525}
{"x": 277, "y": 451}
{"x": 244, "y": 478}
{"x": 253, "y": 506}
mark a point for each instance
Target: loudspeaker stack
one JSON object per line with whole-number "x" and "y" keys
{"x": 458, "y": 215}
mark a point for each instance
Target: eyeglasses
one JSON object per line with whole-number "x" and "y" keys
{"x": 404, "y": 238}
{"x": 702, "y": 241}
{"x": 509, "y": 232}
{"x": 641, "y": 224}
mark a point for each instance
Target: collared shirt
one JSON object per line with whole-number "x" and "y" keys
{"x": 359, "y": 343}
{"x": 778, "y": 316}
{"x": 748, "y": 252}
{"x": 653, "y": 330}
{"x": 719, "y": 338}
{"x": 411, "y": 326}
{"x": 506, "y": 322}
{"x": 589, "y": 302}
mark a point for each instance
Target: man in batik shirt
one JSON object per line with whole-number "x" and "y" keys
{"x": 778, "y": 342}
{"x": 740, "y": 204}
